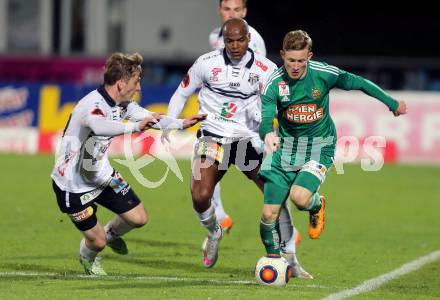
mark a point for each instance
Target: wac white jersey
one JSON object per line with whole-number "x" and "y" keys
{"x": 229, "y": 94}
{"x": 82, "y": 159}
{"x": 256, "y": 43}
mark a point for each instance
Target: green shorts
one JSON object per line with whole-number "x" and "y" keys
{"x": 278, "y": 177}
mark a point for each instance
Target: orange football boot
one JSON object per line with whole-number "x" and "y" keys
{"x": 316, "y": 221}
{"x": 226, "y": 224}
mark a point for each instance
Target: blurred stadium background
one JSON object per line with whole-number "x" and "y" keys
{"x": 52, "y": 53}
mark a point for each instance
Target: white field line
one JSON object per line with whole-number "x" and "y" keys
{"x": 376, "y": 282}
{"x": 139, "y": 278}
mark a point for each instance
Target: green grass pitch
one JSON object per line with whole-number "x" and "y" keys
{"x": 375, "y": 223}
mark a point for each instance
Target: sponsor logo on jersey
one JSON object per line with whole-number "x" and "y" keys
{"x": 283, "y": 88}
{"x": 215, "y": 72}
{"x": 234, "y": 85}
{"x": 185, "y": 81}
{"x": 118, "y": 183}
{"x": 285, "y": 99}
{"x": 82, "y": 215}
{"x": 211, "y": 150}
{"x": 261, "y": 65}
{"x": 303, "y": 113}
{"x": 253, "y": 78}
{"x": 87, "y": 197}
{"x": 228, "y": 110}
{"x": 316, "y": 93}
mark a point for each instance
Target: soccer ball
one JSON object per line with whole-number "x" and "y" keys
{"x": 274, "y": 271}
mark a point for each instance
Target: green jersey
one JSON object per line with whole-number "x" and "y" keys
{"x": 302, "y": 105}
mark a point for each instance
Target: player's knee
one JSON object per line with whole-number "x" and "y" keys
{"x": 98, "y": 242}
{"x": 201, "y": 195}
{"x": 299, "y": 198}
{"x": 139, "y": 220}
{"x": 269, "y": 215}
{"x": 101, "y": 243}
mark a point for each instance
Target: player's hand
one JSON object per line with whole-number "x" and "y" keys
{"x": 149, "y": 121}
{"x": 401, "y": 109}
{"x": 271, "y": 142}
{"x": 193, "y": 120}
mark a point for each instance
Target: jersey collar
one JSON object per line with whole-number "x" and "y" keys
{"x": 248, "y": 64}
{"x": 106, "y": 96}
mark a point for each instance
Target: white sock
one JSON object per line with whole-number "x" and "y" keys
{"x": 85, "y": 252}
{"x": 291, "y": 258}
{"x": 209, "y": 221}
{"x": 217, "y": 201}
{"x": 287, "y": 233}
{"x": 116, "y": 228}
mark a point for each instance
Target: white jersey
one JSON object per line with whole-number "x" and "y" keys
{"x": 229, "y": 94}
{"x": 82, "y": 162}
{"x": 256, "y": 43}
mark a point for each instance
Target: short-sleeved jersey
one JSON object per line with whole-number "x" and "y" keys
{"x": 82, "y": 158}
{"x": 229, "y": 94}
{"x": 256, "y": 43}
{"x": 303, "y": 105}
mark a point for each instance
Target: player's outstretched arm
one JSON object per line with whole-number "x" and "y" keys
{"x": 349, "y": 81}
{"x": 136, "y": 113}
{"x": 103, "y": 127}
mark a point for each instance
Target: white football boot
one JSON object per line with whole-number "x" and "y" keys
{"x": 297, "y": 270}
{"x": 210, "y": 248}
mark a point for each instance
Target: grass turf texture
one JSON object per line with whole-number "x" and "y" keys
{"x": 375, "y": 222}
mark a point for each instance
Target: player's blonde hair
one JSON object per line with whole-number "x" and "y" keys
{"x": 122, "y": 66}
{"x": 297, "y": 40}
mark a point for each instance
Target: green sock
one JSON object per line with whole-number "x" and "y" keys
{"x": 270, "y": 236}
{"x": 315, "y": 203}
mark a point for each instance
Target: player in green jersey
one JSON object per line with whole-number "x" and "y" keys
{"x": 300, "y": 153}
